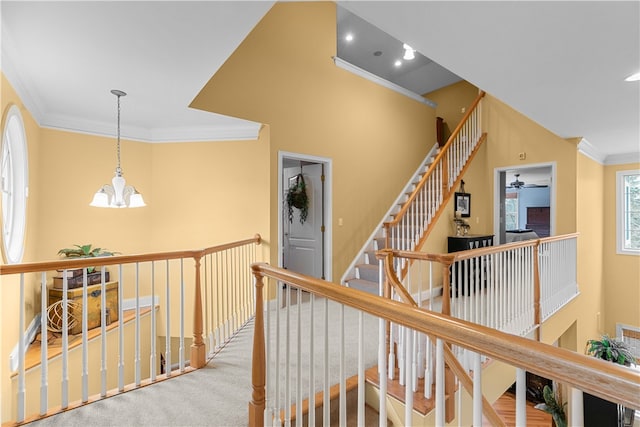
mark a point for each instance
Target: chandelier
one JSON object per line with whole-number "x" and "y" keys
{"x": 118, "y": 194}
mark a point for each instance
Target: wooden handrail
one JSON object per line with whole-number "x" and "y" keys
{"x": 450, "y": 359}
{"x": 592, "y": 375}
{"x": 39, "y": 266}
{"x": 436, "y": 160}
{"x": 450, "y": 258}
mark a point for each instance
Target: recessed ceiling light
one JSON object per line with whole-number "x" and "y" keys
{"x": 398, "y": 63}
{"x": 348, "y": 37}
{"x": 633, "y": 78}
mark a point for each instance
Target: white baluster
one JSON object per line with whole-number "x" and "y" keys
{"x": 343, "y": 386}
{"x": 65, "y": 344}
{"x": 325, "y": 400}
{"x": 103, "y": 332}
{"x": 121, "y": 330}
{"x": 299, "y": 357}
{"x": 287, "y": 357}
{"x": 521, "y": 397}
{"x": 137, "y": 330}
{"x": 167, "y": 359}
{"x": 408, "y": 389}
{"x": 312, "y": 370}
{"x": 439, "y": 414}
{"x": 181, "y": 356}
{"x": 44, "y": 366}
{"x": 576, "y": 409}
{"x": 477, "y": 390}
{"x": 361, "y": 385}
{"x": 152, "y": 356}
{"x": 382, "y": 374}
{"x": 21, "y": 350}
{"x": 85, "y": 344}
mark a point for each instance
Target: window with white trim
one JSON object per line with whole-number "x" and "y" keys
{"x": 14, "y": 176}
{"x": 628, "y": 212}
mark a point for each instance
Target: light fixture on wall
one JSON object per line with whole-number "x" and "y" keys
{"x": 118, "y": 195}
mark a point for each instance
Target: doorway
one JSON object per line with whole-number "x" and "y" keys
{"x": 524, "y": 198}
{"x": 305, "y": 239}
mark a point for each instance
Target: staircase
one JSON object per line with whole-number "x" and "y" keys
{"x": 363, "y": 272}
{"x": 409, "y": 220}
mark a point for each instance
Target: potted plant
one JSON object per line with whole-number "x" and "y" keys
{"x": 552, "y": 406}
{"x": 597, "y": 411}
{"x": 74, "y": 277}
{"x": 610, "y": 349}
{"x": 297, "y": 198}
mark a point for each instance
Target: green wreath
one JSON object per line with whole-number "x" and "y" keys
{"x": 297, "y": 198}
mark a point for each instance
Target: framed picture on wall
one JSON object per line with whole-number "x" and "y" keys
{"x": 462, "y": 204}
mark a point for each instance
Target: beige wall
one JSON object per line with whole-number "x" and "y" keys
{"x": 621, "y": 276}
{"x": 198, "y": 195}
{"x": 283, "y": 75}
{"x": 9, "y": 287}
{"x": 451, "y": 101}
{"x": 510, "y": 133}
{"x": 590, "y": 220}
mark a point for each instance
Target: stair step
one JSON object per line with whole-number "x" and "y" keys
{"x": 363, "y": 285}
{"x": 371, "y": 257}
{"x": 368, "y": 272}
{"x": 379, "y": 243}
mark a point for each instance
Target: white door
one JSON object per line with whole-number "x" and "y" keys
{"x": 303, "y": 248}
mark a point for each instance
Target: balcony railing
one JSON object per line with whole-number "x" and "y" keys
{"x": 159, "y": 315}
{"x": 299, "y": 346}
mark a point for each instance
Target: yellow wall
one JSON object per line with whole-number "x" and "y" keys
{"x": 451, "y": 101}
{"x": 198, "y": 195}
{"x": 591, "y": 222}
{"x": 621, "y": 276}
{"x": 9, "y": 287}
{"x": 511, "y": 133}
{"x": 283, "y": 75}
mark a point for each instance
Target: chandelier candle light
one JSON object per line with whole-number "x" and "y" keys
{"x": 118, "y": 195}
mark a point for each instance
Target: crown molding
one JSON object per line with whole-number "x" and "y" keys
{"x": 585, "y": 148}
{"x": 622, "y": 158}
{"x": 243, "y": 132}
{"x": 341, "y": 63}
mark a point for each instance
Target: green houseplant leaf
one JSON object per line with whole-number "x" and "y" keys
{"x": 553, "y": 407}
{"x": 85, "y": 251}
{"x": 611, "y": 350}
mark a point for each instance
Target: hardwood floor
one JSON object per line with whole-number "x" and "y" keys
{"x": 505, "y": 406}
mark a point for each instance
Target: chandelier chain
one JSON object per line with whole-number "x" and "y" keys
{"x": 118, "y": 168}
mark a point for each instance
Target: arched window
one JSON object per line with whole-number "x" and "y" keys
{"x": 15, "y": 185}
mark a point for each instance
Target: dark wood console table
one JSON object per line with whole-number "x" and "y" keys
{"x": 464, "y": 243}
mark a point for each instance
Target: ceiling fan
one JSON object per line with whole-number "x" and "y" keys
{"x": 517, "y": 183}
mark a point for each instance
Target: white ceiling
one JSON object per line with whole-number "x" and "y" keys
{"x": 562, "y": 64}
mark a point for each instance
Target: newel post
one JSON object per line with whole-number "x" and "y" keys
{"x": 257, "y": 403}
{"x": 446, "y": 289}
{"x": 198, "y": 350}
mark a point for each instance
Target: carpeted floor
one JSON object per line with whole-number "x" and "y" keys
{"x": 218, "y": 394}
